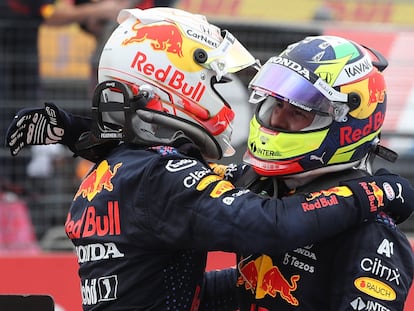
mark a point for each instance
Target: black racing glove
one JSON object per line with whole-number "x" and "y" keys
{"x": 44, "y": 126}
{"x": 384, "y": 191}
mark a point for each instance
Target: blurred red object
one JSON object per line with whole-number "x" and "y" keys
{"x": 16, "y": 229}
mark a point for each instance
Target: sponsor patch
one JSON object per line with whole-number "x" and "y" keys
{"x": 180, "y": 165}
{"x": 368, "y": 305}
{"x": 375, "y": 288}
{"x": 164, "y": 150}
{"x": 97, "y": 290}
{"x": 203, "y": 184}
{"x": 386, "y": 248}
{"x": 389, "y": 192}
{"x": 222, "y": 187}
{"x": 195, "y": 176}
{"x": 97, "y": 251}
{"x": 378, "y": 268}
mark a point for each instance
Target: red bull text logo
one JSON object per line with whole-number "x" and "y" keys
{"x": 263, "y": 278}
{"x": 375, "y": 195}
{"x": 325, "y": 198}
{"x": 165, "y": 38}
{"x": 173, "y": 77}
{"x": 99, "y": 179}
{"x": 349, "y": 135}
{"x": 91, "y": 223}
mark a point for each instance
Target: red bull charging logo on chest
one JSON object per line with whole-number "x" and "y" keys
{"x": 97, "y": 180}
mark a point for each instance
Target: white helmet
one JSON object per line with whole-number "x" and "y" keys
{"x": 175, "y": 58}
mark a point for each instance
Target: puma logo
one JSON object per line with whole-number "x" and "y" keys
{"x": 315, "y": 157}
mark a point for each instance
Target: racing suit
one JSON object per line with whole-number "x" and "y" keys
{"x": 369, "y": 267}
{"x": 144, "y": 218}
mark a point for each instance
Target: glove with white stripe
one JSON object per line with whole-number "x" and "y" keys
{"x": 44, "y": 126}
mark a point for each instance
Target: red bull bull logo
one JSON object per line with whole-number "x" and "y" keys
{"x": 374, "y": 88}
{"x": 274, "y": 282}
{"x": 165, "y": 38}
{"x": 248, "y": 276}
{"x": 99, "y": 179}
{"x": 325, "y": 198}
{"x": 261, "y": 277}
{"x": 341, "y": 191}
{"x": 376, "y": 83}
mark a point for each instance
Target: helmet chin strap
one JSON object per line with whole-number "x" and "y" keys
{"x": 318, "y": 122}
{"x": 144, "y": 126}
{"x": 174, "y": 129}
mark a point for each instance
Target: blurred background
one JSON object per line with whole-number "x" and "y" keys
{"x": 37, "y": 187}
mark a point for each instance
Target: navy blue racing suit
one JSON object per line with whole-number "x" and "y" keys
{"x": 368, "y": 267}
{"x": 144, "y": 219}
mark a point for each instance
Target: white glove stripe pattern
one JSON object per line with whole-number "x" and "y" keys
{"x": 35, "y": 127}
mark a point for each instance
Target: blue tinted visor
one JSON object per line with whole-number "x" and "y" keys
{"x": 307, "y": 91}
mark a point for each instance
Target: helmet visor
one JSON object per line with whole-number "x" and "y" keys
{"x": 285, "y": 83}
{"x": 307, "y": 121}
{"x": 229, "y": 57}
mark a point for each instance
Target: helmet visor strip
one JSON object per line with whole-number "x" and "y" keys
{"x": 229, "y": 57}
{"x": 304, "y": 90}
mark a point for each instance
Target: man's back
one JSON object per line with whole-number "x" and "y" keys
{"x": 119, "y": 253}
